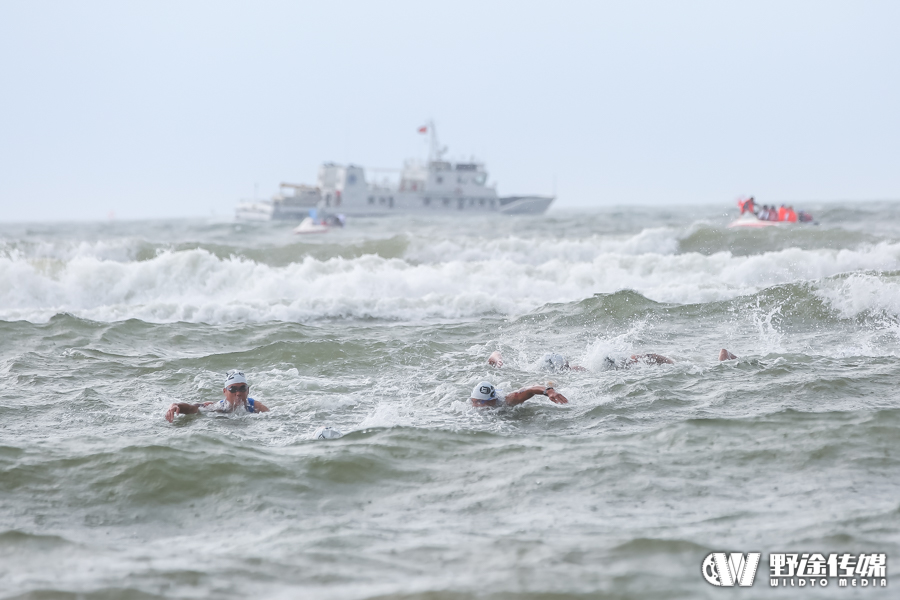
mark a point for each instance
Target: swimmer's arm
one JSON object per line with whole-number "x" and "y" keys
{"x": 259, "y": 407}
{"x": 576, "y": 368}
{"x": 555, "y": 396}
{"x": 182, "y": 408}
{"x": 520, "y": 396}
{"x": 495, "y": 359}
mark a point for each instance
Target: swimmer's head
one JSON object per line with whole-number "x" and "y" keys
{"x": 554, "y": 362}
{"x": 234, "y": 377}
{"x": 484, "y": 392}
{"x": 609, "y": 364}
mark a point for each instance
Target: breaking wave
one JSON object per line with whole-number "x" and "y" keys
{"x": 414, "y": 278}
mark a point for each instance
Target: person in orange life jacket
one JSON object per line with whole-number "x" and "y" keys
{"x": 790, "y": 216}
{"x": 236, "y": 390}
{"x": 782, "y": 213}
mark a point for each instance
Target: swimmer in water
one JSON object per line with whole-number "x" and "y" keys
{"x": 550, "y": 362}
{"x": 236, "y": 390}
{"x": 726, "y": 355}
{"x": 485, "y": 394}
{"x": 653, "y": 359}
{"x": 647, "y": 359}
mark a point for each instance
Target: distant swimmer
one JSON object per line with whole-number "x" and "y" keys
{"x": 652, "y": 359}
{"x": 485, "y": 394}
{"x": 549, "y": 362}
{"x": 646, "y": 359}
{"x": 236, "y": 390}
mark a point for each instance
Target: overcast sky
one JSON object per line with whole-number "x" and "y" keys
{"x": 167, "y": 109}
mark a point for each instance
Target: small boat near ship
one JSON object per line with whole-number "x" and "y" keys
{"x": 313, "y": 224}
{"x": 437, "y": 187}
{"x": 307, "y": 225}
{"x": 768, "y": 216}
{"x": 751, "y": 220}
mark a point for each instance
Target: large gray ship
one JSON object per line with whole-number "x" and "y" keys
{"x": 438, "y": 186}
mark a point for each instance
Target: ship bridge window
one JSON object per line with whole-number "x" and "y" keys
{"x": 446, "y": 201}
{"x": 426, "y": 201}
{"x": 371, "y": 199}
{"x": 466, "y": 167}
{"x": 440, "y": 180}
{"x": 481, "y": 201}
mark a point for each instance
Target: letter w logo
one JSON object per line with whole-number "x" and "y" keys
{"x": 725, "y": 570}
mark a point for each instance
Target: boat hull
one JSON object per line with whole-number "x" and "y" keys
{"x": 308, "y": 226}
{"x": 750, "y": 220}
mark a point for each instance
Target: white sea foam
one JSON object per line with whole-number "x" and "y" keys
{"x": 766, "y": 321}
{"x": 618, "y": 347}
{"x": 862, "y": 294}
{"x": 447, "y": 279}
{"x": 531, "y": 251}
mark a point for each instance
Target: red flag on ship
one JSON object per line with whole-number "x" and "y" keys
{"x": 423, "y": 129}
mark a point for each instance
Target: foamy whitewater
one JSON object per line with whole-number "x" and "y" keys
{"x": 381, "y": 330}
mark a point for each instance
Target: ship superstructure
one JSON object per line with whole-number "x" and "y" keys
{"x": 436, "y": 187}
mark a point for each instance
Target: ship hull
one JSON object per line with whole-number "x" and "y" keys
{"x": 525, "y": 205}
{"x": 266, "y": 210}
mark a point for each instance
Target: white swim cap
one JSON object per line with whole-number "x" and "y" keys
{"x": 553, "y": 361}
{"x": 326, "y": 433}
{"x": 484, "y": 391}
{"x": 234, "y": 377}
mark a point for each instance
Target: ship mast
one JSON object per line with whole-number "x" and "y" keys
{"x": 435, "y": 151}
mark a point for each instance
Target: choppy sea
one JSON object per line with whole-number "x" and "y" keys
{"x": 381, "y": 330}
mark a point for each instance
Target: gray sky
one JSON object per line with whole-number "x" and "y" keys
{"x": 167, "y": 109}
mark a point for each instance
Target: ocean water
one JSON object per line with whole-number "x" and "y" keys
{"x": 381, "y": 330}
